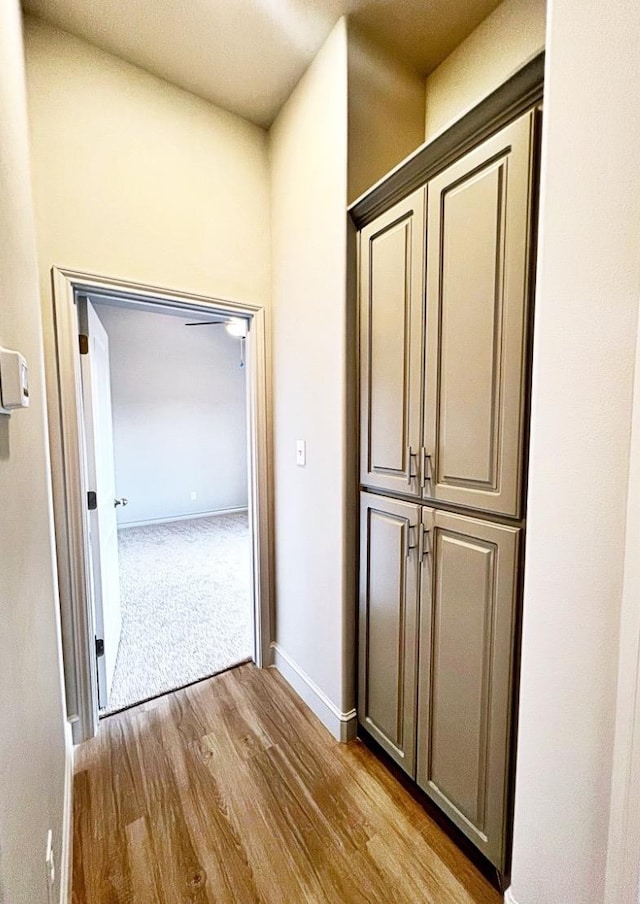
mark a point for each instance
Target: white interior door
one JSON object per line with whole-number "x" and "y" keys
{"x": 103, "y": 528}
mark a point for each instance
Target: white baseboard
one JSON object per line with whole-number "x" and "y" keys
{"x": 508, "y": 897}
{"x": 66, "y": 847}
{"x": 189, "y": 517}
{"x": 341, "y": 725}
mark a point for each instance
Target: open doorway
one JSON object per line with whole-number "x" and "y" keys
{"x": 161, "y": 491}
{"x": 165, "y": 415}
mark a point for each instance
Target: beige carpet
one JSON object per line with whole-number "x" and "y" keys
{"x": 186, "y": 604}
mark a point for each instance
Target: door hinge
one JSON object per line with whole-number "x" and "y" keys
{"x": 92, "y": 500}
{"x": 99, "y": 646}
{"x": 84, "y": 344}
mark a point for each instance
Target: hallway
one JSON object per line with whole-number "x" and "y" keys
{"x": 232, "y": 792}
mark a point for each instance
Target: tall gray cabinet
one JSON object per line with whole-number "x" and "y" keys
{"x": 445, "y": 291}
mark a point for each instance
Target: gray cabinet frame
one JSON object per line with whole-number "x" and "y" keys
{"x": 489, "y": 538}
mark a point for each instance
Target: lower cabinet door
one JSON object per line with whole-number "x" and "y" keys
{"x": 388, "y": 628}
{"x": 468, "y": 597}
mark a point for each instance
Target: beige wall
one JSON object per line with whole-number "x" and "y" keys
{"x": 308, "y": 149}
{"x": 511, "y": 35}
{"x": 137, "y": 179}
{"x": 623, "y": 866}
{"x": 183, "y": 202}
{"x": 588, "y": 289}
{"x": 204, "y": 451}
{"x": 32, "y": 737}
{"x": 386, "y": 112}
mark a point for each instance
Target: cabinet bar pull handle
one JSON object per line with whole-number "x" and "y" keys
{"x": 412, "y": 456}
{"x": 426, "y": 467}
{"x": 410, "y": 536}
{"x": 424, "y": 543}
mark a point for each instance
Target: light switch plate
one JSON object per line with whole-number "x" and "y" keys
{"x": 301, "y": 453}
{"x": 14, "y": 381}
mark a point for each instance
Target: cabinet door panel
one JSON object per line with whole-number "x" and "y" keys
{"x": 388, "y": 641}
{"x": 477, "y": 293}
{"x": 464, "y": 702}
{"x": 391, "y": 331}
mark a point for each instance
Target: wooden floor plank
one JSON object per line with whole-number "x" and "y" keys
{"x": 143, "y": 868}
{"x": 181, "y": 875}
{"x": 232, "y": 792}
{"x": 221, "y": 852}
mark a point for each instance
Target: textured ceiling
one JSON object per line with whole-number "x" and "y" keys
{"x": 247, "y": 55}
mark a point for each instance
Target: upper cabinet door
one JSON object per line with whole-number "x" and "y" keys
{"x": 479, "y": 238}
{"x": 467, "y": 614}
{"x": 392, "y": 251}
{"x": 388, "y": 635}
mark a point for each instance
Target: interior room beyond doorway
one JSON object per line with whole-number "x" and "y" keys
{"x": 178, "y": 407}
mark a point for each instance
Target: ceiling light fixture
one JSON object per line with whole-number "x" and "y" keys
{"x": 237, "y": 327}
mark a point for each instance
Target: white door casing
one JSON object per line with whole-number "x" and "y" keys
{"x": 71, "y": 483}
{"x": 103, "y": 528}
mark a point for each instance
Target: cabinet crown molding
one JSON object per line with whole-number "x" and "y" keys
{"x": 517, "y": 95}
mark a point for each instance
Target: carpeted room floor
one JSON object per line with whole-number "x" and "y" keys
{"x": 186, "y": 604}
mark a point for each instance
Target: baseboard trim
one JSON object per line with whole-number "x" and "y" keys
{"x": 508, "y": 897}
{"x": 189, "y": 517}
{"x": 66, "y": 847}
{"x": 342, "y": 725}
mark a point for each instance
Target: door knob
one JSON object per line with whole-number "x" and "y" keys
{"x": 117, "y": 502}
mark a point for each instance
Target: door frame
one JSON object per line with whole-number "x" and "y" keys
{"x": 70, "y": 483}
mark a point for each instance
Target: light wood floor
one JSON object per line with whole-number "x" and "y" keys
{"x": 232, "y": 792}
